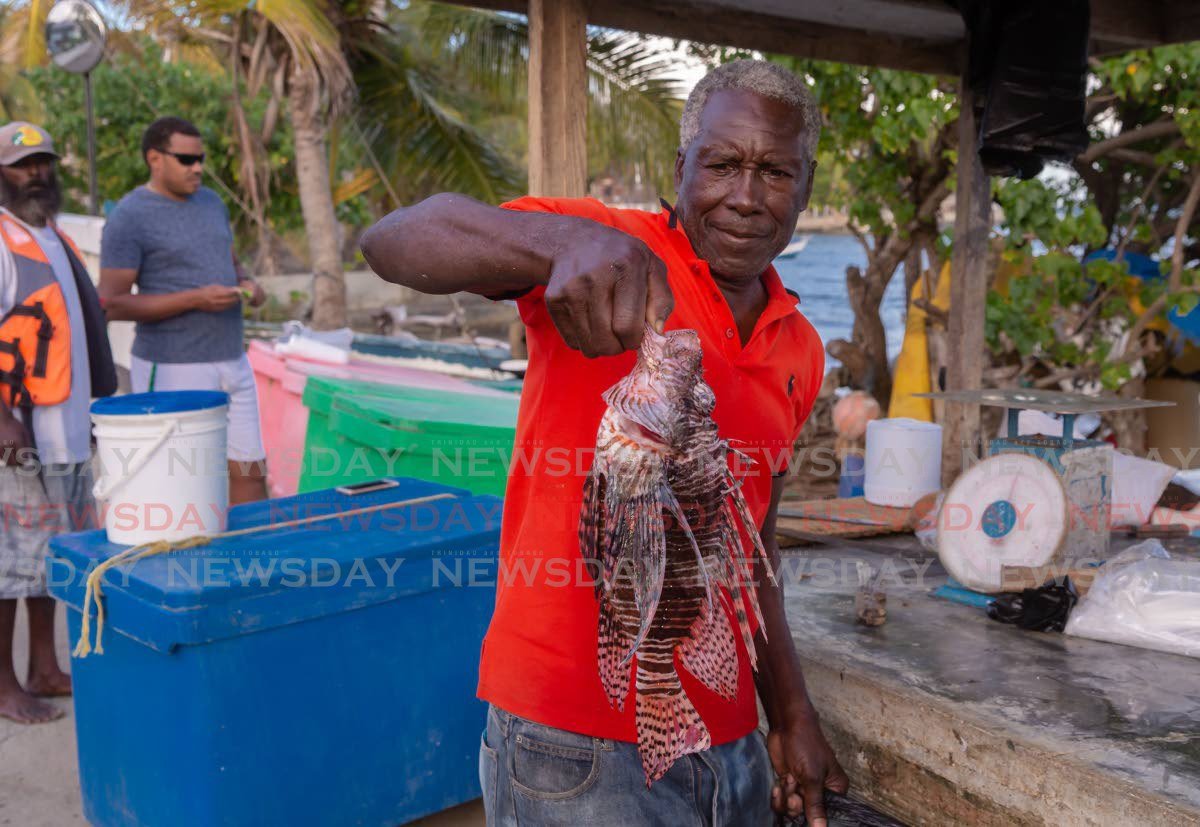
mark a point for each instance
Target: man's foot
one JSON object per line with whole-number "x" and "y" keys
{"x": 52, "y": 684}
{"x": 18, "y": 705}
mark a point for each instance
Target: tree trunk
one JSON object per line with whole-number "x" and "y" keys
{"x": 316, "y": 203}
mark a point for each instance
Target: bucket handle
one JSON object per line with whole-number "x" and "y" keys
{"x": 106, "y": 485}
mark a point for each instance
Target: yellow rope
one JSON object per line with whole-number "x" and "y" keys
{"x": 93, "y": 591}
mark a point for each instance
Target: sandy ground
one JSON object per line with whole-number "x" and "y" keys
{"x": 39, "y": 786}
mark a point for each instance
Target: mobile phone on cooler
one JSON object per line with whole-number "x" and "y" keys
{"x": 366, "y": 487}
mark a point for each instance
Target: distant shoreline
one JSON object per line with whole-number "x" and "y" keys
{"x": 828, "y": 222}
{"x": 833, "y": 223}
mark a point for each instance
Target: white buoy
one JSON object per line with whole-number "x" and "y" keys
{"x": 903, "y": 461}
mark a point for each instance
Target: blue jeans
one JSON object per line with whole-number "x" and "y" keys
{"x": 537, "y": 776}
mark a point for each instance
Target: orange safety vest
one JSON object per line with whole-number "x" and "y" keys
{"x": 35, "y": 333}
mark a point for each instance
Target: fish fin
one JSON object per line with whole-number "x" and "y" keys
{"x": 672, "y": 504}
{"x": 613, "y": 643}
{"x": 743, "y": 512}
{"x": 648, "y": 571}
{"x": 709, "y": 652}
{"x": 592, "y": 522}
{"x": 668, "y": 727}
{"x": 738, "y": 600}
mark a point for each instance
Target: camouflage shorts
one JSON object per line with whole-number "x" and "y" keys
{"x": 34, "y": 508}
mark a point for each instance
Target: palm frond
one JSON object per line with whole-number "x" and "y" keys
{"x": 18, "y": 99}
{"x": 305, "y": 29}
{"x": 22, "y": 42}
{"x": 490, "y": 49}
{"x": 634, "y": 102}
{"x": 355, "y": 186}
{"x": 314, "y": 45}
{"x": 418, "y": 139}
{"x": 33, "y": 38}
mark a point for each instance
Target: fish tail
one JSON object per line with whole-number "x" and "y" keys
{"x": 709, "y": 654}
{"x": 668, "y": 725}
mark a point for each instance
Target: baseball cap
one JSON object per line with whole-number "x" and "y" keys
{"x": 20, "y": 139}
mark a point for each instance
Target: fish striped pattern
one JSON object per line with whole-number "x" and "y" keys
{"x": 660, "y": 522}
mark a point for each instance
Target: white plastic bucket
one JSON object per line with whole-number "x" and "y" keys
{"x": 903, "y": 461}
{"x": 161, "y": 465}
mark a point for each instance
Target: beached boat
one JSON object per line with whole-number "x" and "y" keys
{"x": 796, "y": 247}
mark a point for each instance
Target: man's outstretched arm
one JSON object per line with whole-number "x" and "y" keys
{"x": 802, "y": 758}
{"x": 602, "y": 285}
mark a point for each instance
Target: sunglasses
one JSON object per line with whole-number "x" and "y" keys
{"x": 184, "y": 158}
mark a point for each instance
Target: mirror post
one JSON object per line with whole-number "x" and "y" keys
{"x": 75, "y": 38}
{"x": 93, "y": 190}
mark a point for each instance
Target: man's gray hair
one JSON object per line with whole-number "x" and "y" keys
{"x": 763, "y": 78}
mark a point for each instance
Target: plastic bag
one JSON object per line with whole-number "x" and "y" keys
{"x": 925, "y": 526}
{"x": 1044, "y": 609}
{"x": 332, "y": 346}
{"x": 1143, "y": 597}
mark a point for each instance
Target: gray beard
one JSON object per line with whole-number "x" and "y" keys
{"x": 35, "y": 210}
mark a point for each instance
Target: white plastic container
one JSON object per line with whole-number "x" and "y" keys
{"x": 903, "y": 461}
{"x": 161, "y": 470}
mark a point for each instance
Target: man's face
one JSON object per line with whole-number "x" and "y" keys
{"x": 30, "y": 188}
{"x": 179, "y": 176}
{"x": 743, "y": 182}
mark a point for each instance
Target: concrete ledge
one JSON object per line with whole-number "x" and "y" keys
{"x": 943, "y": 717}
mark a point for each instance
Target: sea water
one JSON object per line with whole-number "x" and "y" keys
{"x": 818, "y": 274}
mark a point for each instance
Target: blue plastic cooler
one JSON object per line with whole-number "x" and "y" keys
{"x": 317, "y": 675}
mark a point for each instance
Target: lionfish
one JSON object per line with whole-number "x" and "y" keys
{"x": 659, "y": 525}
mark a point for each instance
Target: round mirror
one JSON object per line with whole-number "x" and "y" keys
{"x": 75, "y": 35}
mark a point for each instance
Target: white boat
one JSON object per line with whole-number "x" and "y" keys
{"x": 796, "y": 247}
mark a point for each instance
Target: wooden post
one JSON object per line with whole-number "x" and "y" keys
{"x": 968, "y": 292}
{"x": 558, "y": 98}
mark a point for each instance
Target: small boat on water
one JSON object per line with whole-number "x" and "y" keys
{"x": 796, "y": 247}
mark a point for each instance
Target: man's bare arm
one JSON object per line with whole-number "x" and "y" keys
{"x": 451, "y": 243}
{"x": 122, "y": 304}
{"x": 602, "y": 285}
{"x": 801, "y": 756}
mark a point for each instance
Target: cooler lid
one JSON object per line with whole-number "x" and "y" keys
{"x": 159, "y": 402}
{"x": 424, "y": 537}
{"x": 493, "y": 418}
{"x": 320, "y": 391}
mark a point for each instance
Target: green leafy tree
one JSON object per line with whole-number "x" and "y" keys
{"x": 889, "y": 146}
{"x": 131, "y": 90}
{"x": 1134, "y": 190}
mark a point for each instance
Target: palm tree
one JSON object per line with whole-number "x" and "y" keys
{"x": 297, "y": 47}
{"x": 407, "y": 67}
{"x": 21, "y": 46}
{"x": 634, "y": 102}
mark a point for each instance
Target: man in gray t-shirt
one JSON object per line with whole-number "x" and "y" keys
{"x": 172, "y": 240}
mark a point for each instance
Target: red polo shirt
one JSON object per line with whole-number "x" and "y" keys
{"x": 539, "y": 657}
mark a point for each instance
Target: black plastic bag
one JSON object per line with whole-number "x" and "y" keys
{"x": 1044, "y": 609}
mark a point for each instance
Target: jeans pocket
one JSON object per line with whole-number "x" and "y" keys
{"x": 549, "y": 771}
{"x": 489, "y": 764}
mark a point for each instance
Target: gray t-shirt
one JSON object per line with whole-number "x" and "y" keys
{"x": 174, "y": 246}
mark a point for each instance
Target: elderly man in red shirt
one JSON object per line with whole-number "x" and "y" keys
{"x": 587, "y": 279}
